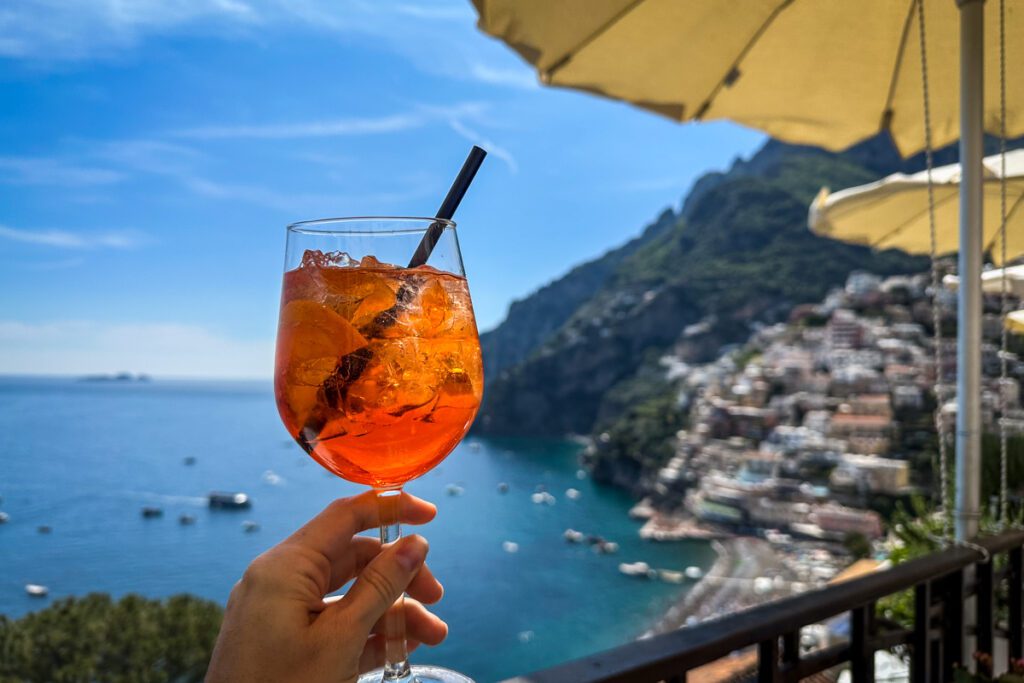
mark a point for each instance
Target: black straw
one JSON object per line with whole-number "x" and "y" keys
{"x": 448, "y": 206}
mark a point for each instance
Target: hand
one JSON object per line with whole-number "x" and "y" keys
{"x": 278, "y": 627}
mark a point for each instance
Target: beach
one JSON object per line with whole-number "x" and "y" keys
{"x": 729, "y": 585}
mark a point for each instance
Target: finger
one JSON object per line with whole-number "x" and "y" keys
{"x": 384, "y": 579}
{"x": 420, "y": 624}
{"x": 373, "y": 654}
{"x": 425, "y": 587}
{"x": 331, "y": 532}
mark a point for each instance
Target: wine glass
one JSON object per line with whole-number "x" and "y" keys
{"x": 378, "y": 372}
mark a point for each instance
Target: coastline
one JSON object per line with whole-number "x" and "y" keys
{"x": 729, "y": 585}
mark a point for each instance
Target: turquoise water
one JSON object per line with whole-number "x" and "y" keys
{"x": 85, "y": 457}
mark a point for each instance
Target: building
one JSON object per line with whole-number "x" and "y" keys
{"x": 871, "y": 473}
{"x": 863, "y": 433}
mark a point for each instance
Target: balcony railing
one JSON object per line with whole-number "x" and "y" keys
{"x": 942, "y": 582}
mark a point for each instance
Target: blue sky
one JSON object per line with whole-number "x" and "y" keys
{"x": 153, "y": 151}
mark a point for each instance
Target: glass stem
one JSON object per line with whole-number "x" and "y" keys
{"x": 396, "y": 657}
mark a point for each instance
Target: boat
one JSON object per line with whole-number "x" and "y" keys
{"x": 671, "y": 576}
{"x": 474, "y": 446}
{"x": 229, "y": 501}
{"x": 510, "y": 547}
{"x": 190, "y": 460}
{"x": 185, "y": 520}
{"x": 542, "y": 498}
{"x": 152, "y": 511}
{"x": 502, "y": 487}
{"x": 573, "y": 536}
{"x": 694, "y": 572}
{"x": 572, "y": 494}
{"x": 272, "y": 478}
{"x": 607, "y": 548}
{"x": 4, "y": 517}
{"x": 44, "y": 529}
{"x": 454, "y": 490}
{"x": 36, "y": 590}
{"x": 638, "y": 569}
{"x": 249, "y": 526}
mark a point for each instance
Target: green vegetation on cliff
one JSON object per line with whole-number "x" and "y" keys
{"x": 738, "y": 253}
{"x": 94, "y": 638}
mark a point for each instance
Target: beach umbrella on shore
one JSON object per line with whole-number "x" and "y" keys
{"x": 813, "y": 72}
{"x": 992, "y": 281}
{"x": 892, "y": 213}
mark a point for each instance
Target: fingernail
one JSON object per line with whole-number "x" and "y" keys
{"x": 411, "y": 553}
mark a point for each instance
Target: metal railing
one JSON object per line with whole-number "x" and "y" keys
{"x": 942, "y": 582}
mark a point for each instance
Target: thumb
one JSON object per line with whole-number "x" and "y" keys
{"x": 385, "y": 579}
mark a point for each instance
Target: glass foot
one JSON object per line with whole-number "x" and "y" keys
{"x": 420, "y": 674}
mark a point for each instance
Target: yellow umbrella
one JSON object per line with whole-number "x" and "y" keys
{"x": 823, "y": 72}
{"x": 893, "y": 212}
{"x": 1015, "y": 321}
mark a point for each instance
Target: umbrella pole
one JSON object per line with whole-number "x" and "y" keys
{"x": 968, "y": 390}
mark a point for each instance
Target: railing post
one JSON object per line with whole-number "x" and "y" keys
{"x": 952, "y": 623}
{"x": 768, "y": 661}
{"x": 790, "y": 651}
{"x": 1014, "y": 579}
{"x": 862, "y": 657}
{"x": 921, "y": 660}
{"x": 985, "y": 621}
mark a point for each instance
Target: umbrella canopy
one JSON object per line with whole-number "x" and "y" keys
{"x": 1015, "y": 321}
{"x": 809, "y": 71}
{"x": 893, "y": 212}
{"x": 992, "y": 281}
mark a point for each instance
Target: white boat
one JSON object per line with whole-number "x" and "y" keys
{"x": 4, "y": 517}
{"x": 693, "y": 572}
{"x": 572, "y": 494}
{"x": 510, "y": 547}
{"x": 36, "y": 590}
{"x": 638, "y": 569}
{"x": 573, "y": 536}
{"x": 607, "y": 548}
{"x": 273, "y": 478}
{"x": 670, "y": 576}
{"x": 542, "y": 498}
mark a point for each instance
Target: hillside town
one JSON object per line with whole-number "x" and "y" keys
{"x": 817, "y": 424}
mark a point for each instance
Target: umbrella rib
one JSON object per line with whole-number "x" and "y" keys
{"x": 917, "y": 215}
{"x": 565, "y": 59}
{"x": 887, "y": 112}
{"x": 733, "y": 73}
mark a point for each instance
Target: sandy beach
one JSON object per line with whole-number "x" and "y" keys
{"x": 730, "y": 583}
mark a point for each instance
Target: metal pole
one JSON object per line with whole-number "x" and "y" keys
{"x": 968, "y": 388}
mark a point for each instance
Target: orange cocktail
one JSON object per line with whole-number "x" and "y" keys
{"x": 378, "y": 372}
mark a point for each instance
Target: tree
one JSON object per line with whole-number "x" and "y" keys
{"x": 93, "y": 638}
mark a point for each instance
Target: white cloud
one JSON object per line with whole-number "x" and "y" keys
{"x": 79, "y": 29}
{"x": 515, "y": 77}
{"x": 492, "y": 148}
{"x": 420, "y": 115}
{"x": 63, "y": 239}
{"x": 164, "y": 349}
{"x": 45, "y": 171}
{"x": 309, "y": 129}
{"x": 437, "y": 37}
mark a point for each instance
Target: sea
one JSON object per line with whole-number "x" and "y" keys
{"x": 84, "y": 458}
